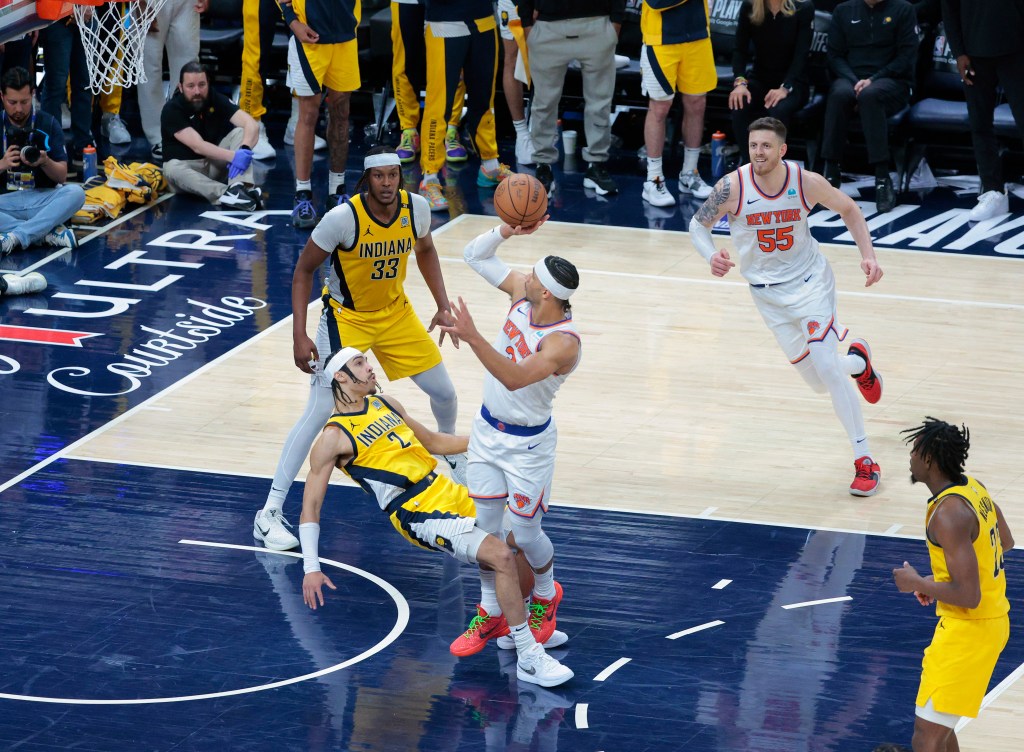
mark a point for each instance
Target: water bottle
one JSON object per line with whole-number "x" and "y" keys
{"x": 717, "y": 157}
{"x": 89, "y": 162}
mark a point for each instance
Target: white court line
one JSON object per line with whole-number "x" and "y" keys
{"x": 708, "y": 512}
{"x": 721, "y": 585}
{"x": 95, "y": 234}
{"x": 818, "y": 603}
{"x": 612, "y": 669}
{"x": 991, "y": 697}
{"x": 893, "y": 529}
{"x": 691, "y": 630}
{"x": 68, "y": 450}
{"x": 160, "y": 409}
{"x": 581, "y": 715}
{"x": 401, "y": 622}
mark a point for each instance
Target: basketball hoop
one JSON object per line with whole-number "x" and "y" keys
{"x": 113, "y": 35}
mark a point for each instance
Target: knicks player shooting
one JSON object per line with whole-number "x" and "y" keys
{"x": 368, "y": 239}
{"x": 792, "y": 284}
{"x": 387, "y": 453}
{"x": 512, "y": 442}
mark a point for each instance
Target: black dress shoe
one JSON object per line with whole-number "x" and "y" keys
{"x": 833, "y": 174}
{"x": 885, "y": 196}
{"x": 544, "y": 174}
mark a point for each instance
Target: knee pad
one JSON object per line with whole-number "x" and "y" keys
{"x": 489, "y": 515}
{"x": 532, "y": 540}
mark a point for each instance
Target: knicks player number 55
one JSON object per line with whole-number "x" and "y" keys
{"x": 773, "y": 239}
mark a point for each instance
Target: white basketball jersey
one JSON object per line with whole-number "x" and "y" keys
{"x": 519, "y": 338}
{"x": 770, "y": 232}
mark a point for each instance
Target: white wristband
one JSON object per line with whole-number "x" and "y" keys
{"x": 309, "y": 537}
{"x": 702, "y": 240}
{"x": 479, "y": 254}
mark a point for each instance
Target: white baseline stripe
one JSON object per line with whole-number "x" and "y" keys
{"x": 708, "y": 512}
{"x": 68, "y": 450}
{"x": 336, "y": 480}
{"x": 721, "y": 584}
{"x": 612, "y": 669}
{"x": 691, "y": 630}
{"x": 894, "y": 528}
{"x": 818, "y": 603}
{"x": 400, "y": 624}
{"x": 581, "y": 715}
{"x": 94, "y": 234}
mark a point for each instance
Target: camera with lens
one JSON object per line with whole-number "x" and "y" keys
{"x": 31, "y": 143}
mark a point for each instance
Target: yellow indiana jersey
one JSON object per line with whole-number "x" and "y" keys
{"x": 987, "y": 548}
{"x": 389, "y": 459}
{"x": 369, "y": 275}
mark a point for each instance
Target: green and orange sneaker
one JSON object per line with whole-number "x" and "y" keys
{"x": 482, "y": 628}
{"x": 542, "y": 615}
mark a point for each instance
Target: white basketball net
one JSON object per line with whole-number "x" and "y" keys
{"x": 113, "y": 35}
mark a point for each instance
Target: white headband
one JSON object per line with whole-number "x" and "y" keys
{"x": 387, "y": 159}
{"x": 340, "y": 360}
{"x": 540, "y": 271}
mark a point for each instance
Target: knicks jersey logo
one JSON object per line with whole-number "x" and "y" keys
{"x": 812, "y": 328}
{"x": 521, "y": 500}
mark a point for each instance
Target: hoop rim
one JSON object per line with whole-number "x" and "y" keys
{"x": 97, "y": 3}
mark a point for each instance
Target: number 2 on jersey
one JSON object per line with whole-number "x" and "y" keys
{"x": 773, "y": 239}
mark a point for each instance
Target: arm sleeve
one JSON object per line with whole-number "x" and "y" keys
{"x": 480, "y": 254}
{"x": 804, "y": 34}
{"x": 702, "y": 240}
{"x": 421, "y": 213}
{"x": 309, "y": 538}
{"x": 337, "y": 228}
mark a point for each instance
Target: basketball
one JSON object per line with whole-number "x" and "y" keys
{"x": 520, "y": 200}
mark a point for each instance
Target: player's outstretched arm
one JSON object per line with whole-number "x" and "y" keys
{"x": 433, "y": 441}
{"x": 430, "y": 267}
{"x": 333, "y": 447}
{"x": 817, "y": 190}
{"x": 721, "y": 201}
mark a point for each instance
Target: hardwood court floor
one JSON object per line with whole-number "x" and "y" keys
{"x": 683, "y": 403}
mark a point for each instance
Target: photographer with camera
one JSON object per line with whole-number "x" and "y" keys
{"x": 34, "y": 202}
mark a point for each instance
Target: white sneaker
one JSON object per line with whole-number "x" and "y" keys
{"x": 65, "y": 118}
{"x": 16, "y": 284}
{"x": 289, "y": 138}
{"x": 263, "y": 149}
{"x": 656, "y": 193}
{"x": 270, "y": 527}
{"x": 692, "y": 182}
{"x": 61, "y": 237}
{"x": 524, "y": 150}
{"x": 114, "y": 129}
{"x": 537, "y": 667}
{"x": 557, "y": 639}
{"x": 990, "y": 204}
{"x": 457, "y": 463}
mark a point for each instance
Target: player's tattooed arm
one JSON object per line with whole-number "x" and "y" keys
{"x": 716, "y": 204}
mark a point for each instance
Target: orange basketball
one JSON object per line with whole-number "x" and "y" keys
{"x": 520, "y": 200}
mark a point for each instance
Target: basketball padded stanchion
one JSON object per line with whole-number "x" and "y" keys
{"x": 113, "y": 35}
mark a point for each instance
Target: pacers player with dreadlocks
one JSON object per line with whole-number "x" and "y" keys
{"x": 368, "y": 240}
{"x": 967, "y": 536}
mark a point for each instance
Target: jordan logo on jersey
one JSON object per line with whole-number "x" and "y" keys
{"x": 778, "y": 215}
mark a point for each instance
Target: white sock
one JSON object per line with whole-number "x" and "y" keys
{"x": 852, "y": 365}
{"x": 654, "y": 169}
{"x": 336, "y": 180}
{"x": 275, "y": 500}
{"x": 489, "y": 164}
{"x": 521, "y": 127}
{"x": 861, "y": 448}
{"x": 488, "y": 595}
{"x": 544, "y": 584}
{"x": 523, "y": 636}
{"x": 303, "y": 185}
{"x": 431, "y": 177}
{"x": 690, "y": 157}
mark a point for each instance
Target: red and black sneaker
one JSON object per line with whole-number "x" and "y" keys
{"x": 542, "y": 615}
{"x": 482, "y": 628}
{"x": 868, "y": 380}
{"x": 868, "y": 474}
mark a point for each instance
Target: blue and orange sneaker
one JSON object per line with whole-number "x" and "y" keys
{"x": 482, "y": 628}
{"x": 491, "y": 178}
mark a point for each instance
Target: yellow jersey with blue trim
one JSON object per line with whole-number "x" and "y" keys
{"x": 674, "y": 21}
{"x": 987, "y": 548}
{"x": 388, "y": 462}
{"x": 368, "y": 273}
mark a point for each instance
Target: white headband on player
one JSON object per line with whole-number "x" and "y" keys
{"x": 388, "y": 159}
{"x": 540, "y": 271}
{"x": 339, "y": 360}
